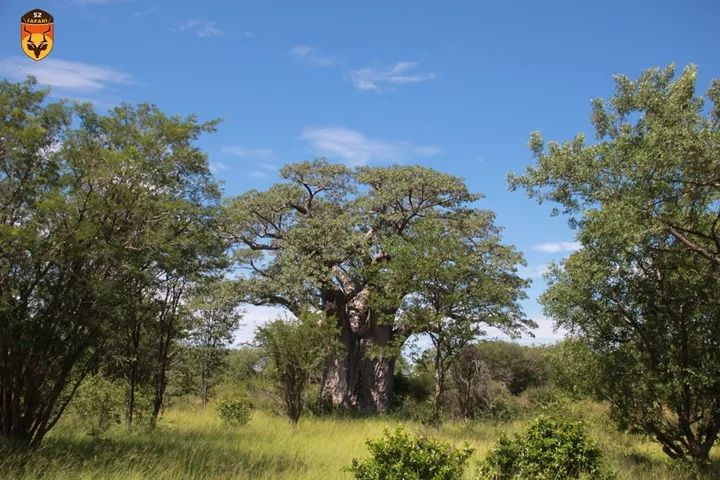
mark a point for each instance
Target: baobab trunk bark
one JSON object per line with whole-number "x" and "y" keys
{"x": 356, "y": 380}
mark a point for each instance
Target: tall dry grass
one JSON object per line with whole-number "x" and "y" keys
{"x": 189, "y": 444}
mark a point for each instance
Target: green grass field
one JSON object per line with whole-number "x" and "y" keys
{"x": 189, "y": 444}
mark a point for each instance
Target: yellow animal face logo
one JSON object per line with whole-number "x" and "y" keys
{"x": 37, "y": 34}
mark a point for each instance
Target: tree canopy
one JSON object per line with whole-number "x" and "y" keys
{"x": 324, "y": 238}
{"x": 97, "y": 212}
{"x": 642, "y": 293}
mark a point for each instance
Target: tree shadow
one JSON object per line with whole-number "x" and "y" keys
{"x": 192, "y": 454}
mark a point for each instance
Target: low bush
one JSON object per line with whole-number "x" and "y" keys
{"x": 234, "y": 412}
{"x": 398, "y": 456}
{"x": 549, "y": 449}
{"x": 503, "y": 407}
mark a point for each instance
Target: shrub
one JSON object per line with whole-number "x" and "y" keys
{"x": 234, "y": 412}
{"x": 99, "y": 404}
{"x": 416, "y": 411}
{"x": 503, "y": 407}
{"x": 397, "y": 456}
{"x": 549, "y": 449}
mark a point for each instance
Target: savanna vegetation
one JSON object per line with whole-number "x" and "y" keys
{"x": 124, "y": 270}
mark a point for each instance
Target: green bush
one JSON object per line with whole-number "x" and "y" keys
{"x": 414, "y": 410}
{"x": 549, "y": 449}
{"x": 503, "y": 407}
{"x": 234, "y": 412}
{"x": 397, "y": 456}
{"x": 99, "y": 404}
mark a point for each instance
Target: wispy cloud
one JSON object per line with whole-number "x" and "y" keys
{"x": 245, "y": 152}
{"x": 145, "y": 12}
{"x": 557, "y": 247}
{"x": 387, "y": 77}
{"x": 217, "y": 167}
{"x": 260, "y": 158}
{"x": 532, "y": 271}
{"x": 310, "y": 56}
{"x": 356, "y": 148}
{"x": 201, "y": 28}
{"x": 65, "y": 74}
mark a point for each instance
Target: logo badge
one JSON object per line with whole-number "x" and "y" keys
{"x": 37, "y": 34}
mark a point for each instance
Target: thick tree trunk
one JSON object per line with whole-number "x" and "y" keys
{"x": 354, "y": 380}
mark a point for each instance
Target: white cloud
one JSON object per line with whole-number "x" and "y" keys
{"x": 356, "y": 148}
{"x": 557, "y": 247}
{"x": 145, "y": 12}
{"x": 532, "y": 271}
{"x": 385, "y": 77}
{"x": 310, "y": 56}
{"x": 65, "y": 74}
{"x": 244, "y": 152}
{"x": 202, "y": 28}
{"x": 253, "y": 317}
{"x": 217, "y": 167}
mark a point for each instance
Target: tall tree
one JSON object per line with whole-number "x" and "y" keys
{"x": 642, "y": 293}
{"x": 297, "y": 348}
{"x": 85, "y": 201}
{"x": 463, "y": 279}
{"x": 655, "y": 166}
{"x": 213, "y": 321}
{"x": 651, "y": 321}
{"x": 318, "y": 239}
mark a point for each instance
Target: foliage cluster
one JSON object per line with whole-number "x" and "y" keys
{"x": 399, "y": 456}
{"x": 550, "y": 448}
{"x": 234, "y": 412}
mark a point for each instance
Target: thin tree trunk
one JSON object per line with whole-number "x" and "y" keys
{"x": 205, "y": 388}
{"x": 132, "y": 375}
{"x": 130, "y": 404}
{"x": 439, "y": 385}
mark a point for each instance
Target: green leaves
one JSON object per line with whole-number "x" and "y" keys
{"x": 98, "y": 215}
{"x": 398, "y": 456}
{"x": 234, "y": 412}
{"x": 298, "y": 348}
{"x": 550, "y": 448}
{"x": 657, "y": 163}
{"x": 642, "y": 293}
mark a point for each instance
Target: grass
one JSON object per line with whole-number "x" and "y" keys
{"x": 189, "y": 444}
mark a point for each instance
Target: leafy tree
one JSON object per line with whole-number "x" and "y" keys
{"x": 98, "y": 404}
{"x": 650, "y": 318}
{"x": 655, "y": 166}
{"x": 298, "y": 348}
{"x": 319, "y": 238}
{"x": 642, "y": 293}
{"x": 214, "y": 320}
{"x": 463, "y": 280}
{"x": 89, "y": 207}
{"x": 519, "y": 367}
{"x": 573, "y": 368}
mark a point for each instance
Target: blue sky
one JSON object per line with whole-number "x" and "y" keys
{"x": 457, "y": 86}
